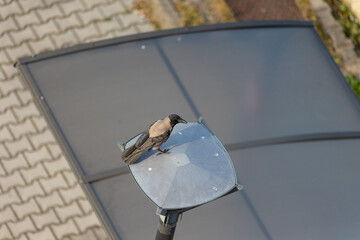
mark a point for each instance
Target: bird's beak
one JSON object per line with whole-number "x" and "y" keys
{"x": 181, "y": 121}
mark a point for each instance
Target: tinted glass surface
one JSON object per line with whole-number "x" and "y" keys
{"x": 298, "y": 191}
{"x": 255, "y": 84}
{"x": 249, "y": 84}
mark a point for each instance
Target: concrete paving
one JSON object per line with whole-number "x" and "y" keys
{"x": 39, "y": 195}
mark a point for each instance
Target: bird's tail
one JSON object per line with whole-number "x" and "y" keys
{"x": 130, "y": 155}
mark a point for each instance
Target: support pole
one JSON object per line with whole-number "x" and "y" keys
{"x": 165, "y": 231}
{"x": 167, "y": 225}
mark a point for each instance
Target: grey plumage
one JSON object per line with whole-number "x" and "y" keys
{"x": 153, "y": 137}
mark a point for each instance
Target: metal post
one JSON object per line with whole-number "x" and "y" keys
{"x": 167, "y": 225}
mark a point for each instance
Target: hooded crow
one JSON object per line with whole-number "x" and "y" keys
{"x": 153, "y": 137}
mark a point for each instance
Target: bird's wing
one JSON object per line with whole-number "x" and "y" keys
{"x": 161, "y": 138}
{"x": 142, "y": 139}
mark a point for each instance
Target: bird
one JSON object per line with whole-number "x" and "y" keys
{"x": 152, "y": 138}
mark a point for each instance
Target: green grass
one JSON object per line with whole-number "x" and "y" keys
{"x": 354, "y": 83}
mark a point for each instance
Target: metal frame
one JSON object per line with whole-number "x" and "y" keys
{"x": 85, "y": 181}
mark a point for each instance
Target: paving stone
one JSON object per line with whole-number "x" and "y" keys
{"x": 5, "y": 134}
{"x": 18, "y": 146}
{"x": 4, "y": 232}
{"x": 49, "y": 13}
{"x": 2, "y": 173}
{"x": 14, "y": 163}
{"x": 45, "y": 234}
{"x": 10, "y": 9}
{"x": 9, "y": 71}
{"x": 18, "y": 52}
{"x": 70, "y": 178}
{"x": 8, "y": 198}
{"x": 3, "y": 57}
{"x": 7, "y": 25}
{"x": 90, "y": 4}
{"x": 69, "y": 22}
{"x": 27, "y": 19}
{"x": 90, "y": 16}
{"x": 86, "y": 32}
{"x": 73, "y": 6}
{"x": 51, "y": 184}
{"x": 10, "y": 181}
{"x": 112, "y": 9}
{"x": 318, "y": 5}
{"x": 46, "y": 28}
{"x": 28, "y": 5}
{"x": 42, "y": 138}
{"x": 11, "y": 85}
{"x": 348, "y": 54}
{"x": 128, "y": 3}
{"x": 100, "y": 233}
{"x": 7, "y": 117}
{"x": 42, "y": 45}
{"x": 49, "y": 3}
{"x": 68, "y": 211}
{"x": 55, "y": 150}
{"x": 39, "y": 155}
{"x": 21, "y": 237}
{"x": 23, "y": 35}
{"x": 7, "y": 215}
{"x": 49, "y": 201}
{"x": 9, "y": 101}
{"x": 45, "y": 219}
{"x": 25, "y": 96}
{"x": 65, "y": 229}
{"x": 101, "y": 37}
{"x": 22, "y": 226}
{"x": 23, "y": 128}
{"x": 57, "y": 166}
{"x": 326, "y": 18}
{"x": 37, "y": 172}
{"x": 108, "y": 26}
{"x": 2, "y": 76}
{"x": 125, "y": 32}
{"x": 85, "y": 206}
{"x": 29, "y": 191}
{"x": 89, "y": 234}
{"x": 26, "y": 111}
{"x": 3, "y": 153}
{"x": 86, "y": 222}
{"x": 64, "y": 39}
{"x": 72, "y": 194}
{"x": 5, "y": 40}
{"x": 130, "y": 19}
{"x": 40, "y": 123}
{"x": 26, "y": 209}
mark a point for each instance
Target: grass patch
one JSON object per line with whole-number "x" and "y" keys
{"x": 218, "y": 11}
{"x": 308, "y": 14}
{"x": 190, "y": 15}
{"x": 350, "y": 24}
{"x": 143, "y": 7}
{"x": 354, "y": 83}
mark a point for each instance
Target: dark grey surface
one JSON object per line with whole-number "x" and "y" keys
{"x": 256, "y": 84}
{"x": 250, "y": 84}
{"x": 292, "y": 191}
{"x": 105, "y": 95}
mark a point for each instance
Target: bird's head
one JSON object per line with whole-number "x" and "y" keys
{"x": 175, "y": 119}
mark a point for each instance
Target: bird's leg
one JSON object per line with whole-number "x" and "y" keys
{"x": 161, "y": 151}
{"x": 166, "y": 150}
